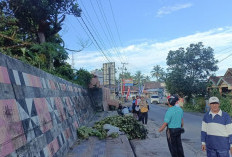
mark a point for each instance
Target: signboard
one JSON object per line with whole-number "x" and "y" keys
{"x": 128, "y": 82}
{"x": 109, "y": 74}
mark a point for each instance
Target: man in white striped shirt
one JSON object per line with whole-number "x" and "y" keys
{"x": 216, "y": 132}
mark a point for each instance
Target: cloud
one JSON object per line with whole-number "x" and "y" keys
{"x": 170, "y": 9}
{"x": 145, "y": 55}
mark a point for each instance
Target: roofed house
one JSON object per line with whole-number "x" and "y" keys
{"x": 228, "y": 73}
{"x": 214, "y": 81}
{"x": 154, "y": 88}
{"x": 223, "y": 83}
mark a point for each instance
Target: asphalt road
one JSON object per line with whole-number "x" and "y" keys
{"x": 192, "y": 124}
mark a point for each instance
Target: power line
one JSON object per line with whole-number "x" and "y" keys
{"x": 91, "y": 24}
{"x": 95, "y": 44}
{"x": 222, "y": 51}
{"x": 116, "y": 25}
{"x": 94, "y": 39}
{"x": 225, "y": 58}
{"x": 107, "y": 25}
{"x": 100, "y": 40}
{"x": 99, "y": 21}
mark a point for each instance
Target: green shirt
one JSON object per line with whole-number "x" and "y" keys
{"x": 173, "y": 117}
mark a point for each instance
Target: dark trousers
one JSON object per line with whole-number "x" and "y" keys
{"x": 217, "y": 153}
{"x": 144, "y": 116}
{"x": 174, "y": 142}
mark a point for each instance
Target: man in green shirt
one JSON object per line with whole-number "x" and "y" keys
{"x": 174, "y": 121}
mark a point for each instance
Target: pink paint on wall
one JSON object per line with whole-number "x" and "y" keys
{"x": 53, "y": 147}
{"x": 11, "y": 131}
{"x": 67, "y": 133}
{"x": 59, "y": 106}
{"x": 4, "y": 76}
{"x": 75, "y": 124}
{"x": 43, "y": 114}
{"x": 70, "y": 108}
{"x": 63, "y": 86}
{"x": 52, "y": 84}
{"x": 34, "y": 81}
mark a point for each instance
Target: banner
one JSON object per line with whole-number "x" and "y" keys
{"x": 128, "y": 82}
{"x": 128, "y": 93}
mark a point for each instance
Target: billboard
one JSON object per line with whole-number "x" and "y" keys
{"x": 109, "y": 74}
{"x": 128, "y": 82}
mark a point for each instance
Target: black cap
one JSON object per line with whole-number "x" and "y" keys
{"x": 173, "y": 99}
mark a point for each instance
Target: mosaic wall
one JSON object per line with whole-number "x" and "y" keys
{"x": 39, "y": 113}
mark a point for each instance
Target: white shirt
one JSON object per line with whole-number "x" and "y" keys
{"x": 214, "y": 114}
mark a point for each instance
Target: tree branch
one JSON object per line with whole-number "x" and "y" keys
{"x": 17, "y": 46}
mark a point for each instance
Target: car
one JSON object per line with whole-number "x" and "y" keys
{"x": 155, "y": 99}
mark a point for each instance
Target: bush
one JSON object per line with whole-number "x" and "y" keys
{"x": 225, "y": 104}
{"x": 200, "y": 104}
{"x": 195, "y": 104}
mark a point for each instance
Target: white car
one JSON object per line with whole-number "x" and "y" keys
{"x": 155, "y": 99}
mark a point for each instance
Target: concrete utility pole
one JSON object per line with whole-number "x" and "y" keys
{"x": 109, "y": 77}
{"x": 122, "y": 68}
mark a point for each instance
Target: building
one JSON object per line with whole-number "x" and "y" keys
{"x": 99, "y": 75}
{"x": 222, "y": 83}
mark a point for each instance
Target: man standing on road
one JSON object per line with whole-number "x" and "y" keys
{"x": 174, "y": 121}
{"x": 216, "y": 132}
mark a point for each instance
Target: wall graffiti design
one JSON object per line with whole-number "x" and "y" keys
{"x": 43, "y": 114}
{"x": 4, "y": 76}
{"x": 11, "y": 130}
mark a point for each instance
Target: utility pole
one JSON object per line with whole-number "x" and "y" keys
{"x": 109, "y": 77}
{"x": 122, "y": 68}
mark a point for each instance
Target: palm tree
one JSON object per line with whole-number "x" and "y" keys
{"x": 158, "y": 73}
{"x": 138, "y": 77}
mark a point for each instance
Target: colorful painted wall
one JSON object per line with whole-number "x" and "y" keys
{"x": 39, "y": 113}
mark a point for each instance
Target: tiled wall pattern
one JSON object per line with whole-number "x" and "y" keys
{"x": 39, "y": 113}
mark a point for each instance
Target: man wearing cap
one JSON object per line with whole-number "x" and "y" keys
{"x": 216, "y": 132}
{"x": 174, "y": 121}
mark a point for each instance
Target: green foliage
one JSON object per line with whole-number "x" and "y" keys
{"x": 40, "y": 16}
{"x": 225, "y": 104}
{"x": 127, "y": 124}
{"x": 83, "y": 77}
{"x": 189, "y": 68}
{"x": 48, "y": 55}
{"x": 195, "y": 104}
{"x": 84, "y": 133}
{"x": 29, "y": 32}
{"x": 158, "y": 73}
{"x": 138, "y": 77}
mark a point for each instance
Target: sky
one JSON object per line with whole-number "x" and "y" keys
{"x": 142, "y": 32}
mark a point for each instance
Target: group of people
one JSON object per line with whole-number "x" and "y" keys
{"x": 216, "y": 133}
{"x": 140, "y": 108}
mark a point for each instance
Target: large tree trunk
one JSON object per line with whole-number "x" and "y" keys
{"x": 43, "y": 27}
{"x": 41, "y": 37}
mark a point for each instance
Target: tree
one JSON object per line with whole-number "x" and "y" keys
{"x": 40, "y": 19}
{"x": 158, "y": 73}
{"x": 125, "y": 75}
{"x": 83, "y": 77}
{"x": 189, "y": 68}
{"x": 138, "y": 77}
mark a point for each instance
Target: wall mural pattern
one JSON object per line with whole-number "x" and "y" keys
{"x": 41, "y": 117}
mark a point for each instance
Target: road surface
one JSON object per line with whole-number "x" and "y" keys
{"x": 192, "y": 124}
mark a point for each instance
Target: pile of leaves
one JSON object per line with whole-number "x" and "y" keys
{"x": 84, "y": 133}
{"x": 126, "y": 124}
